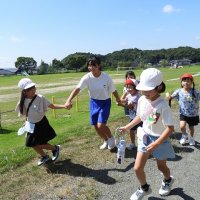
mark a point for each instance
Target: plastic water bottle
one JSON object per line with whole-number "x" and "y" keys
{"x": 121, "y": 151}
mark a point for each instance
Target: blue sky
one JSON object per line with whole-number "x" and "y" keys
{"x": 48, "y": 29}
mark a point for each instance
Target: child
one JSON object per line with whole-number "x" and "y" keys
{"x": 131, "y": 99}
{"x": 100, "y": 86}
{"x": 34, "y": 106}
{"x": 188, "y": 98}
{"x": 128, "y": 75}
{"x": 153, "y": 135}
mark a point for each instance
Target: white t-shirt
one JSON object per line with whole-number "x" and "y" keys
{"x": 155, "y": 115}
{"x": 99, "y": 88}
{"x": 37, "y": 109}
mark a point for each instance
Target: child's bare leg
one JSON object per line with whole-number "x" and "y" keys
{"x": 140, "y": 162}
{"x": 191, "y": 131}
{"x": 183, "y": 127}
{"x": 132, "y": 136}
{"x": 162, "y": 166}
{"x": 47, "y": 147}
{"x": 39, "y": 150}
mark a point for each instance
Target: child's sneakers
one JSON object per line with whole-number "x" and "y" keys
{"x": 184, "y": 139}
{"x": 104, "y": 145}
{"x": 42, "y": 160}
{"x": 56, "y": 152}
{"x": 140, "y": 193}
{"x": 191, "y": 141}
{"x": 131, "y": 146}
{"x": 111, "y": 143}
{"x": 166, "y": 187}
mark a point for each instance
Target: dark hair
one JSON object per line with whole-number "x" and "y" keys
{"x": 93, "y": 60}
{"x": 22, "y": 99}
{"x": 161, "y": 88}
{"x": 130, "y": 73}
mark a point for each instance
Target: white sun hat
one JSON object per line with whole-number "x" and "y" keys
{"x": 149, "y": 79}
{"x": 25, "y": 83}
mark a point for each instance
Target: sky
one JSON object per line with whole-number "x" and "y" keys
{"x": 53, "y": 29}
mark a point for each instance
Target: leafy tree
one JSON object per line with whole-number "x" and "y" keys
{"x": 25, "y": 64}
{"x": 57, "y": 65}
{"x": 43, "y": 68}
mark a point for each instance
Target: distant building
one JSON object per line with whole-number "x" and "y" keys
{"x": 180, "y": 62}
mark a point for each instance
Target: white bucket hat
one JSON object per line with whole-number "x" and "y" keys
{"x": 149, "y": 79}
{"x": 25, "y": 83}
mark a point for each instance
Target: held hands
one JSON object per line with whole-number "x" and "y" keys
{"x": 68, "y": 105}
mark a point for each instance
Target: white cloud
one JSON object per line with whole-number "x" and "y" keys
{"x": 170, "y": 9}
{"x": 197, "y": 38}
{"x": 15, "y": 39}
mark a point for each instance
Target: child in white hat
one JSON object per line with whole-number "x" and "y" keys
{"x": 130, "y": 100}
{"x": 34, "y": 106}
{"x": 153, "y": 136}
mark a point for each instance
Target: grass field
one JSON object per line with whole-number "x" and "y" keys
{"x": 68, "y": 124}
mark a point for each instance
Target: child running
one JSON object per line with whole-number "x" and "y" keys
{"x": 188, "y": 98}
{"x": 128, "y": 75}
{"x": 34, "y": 106}
{"x": 130, "y": 100}
{"x": 153, "y": 136}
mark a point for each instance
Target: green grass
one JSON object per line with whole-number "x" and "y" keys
{"x": 68, "y": 124}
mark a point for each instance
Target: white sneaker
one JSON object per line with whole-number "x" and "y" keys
{"x": 111, "y": 143}
{"x": 131, "y": 146}
{"x": 140, "y": 193}
{"x": 184, "y": 139}
{"x": 104, "y": 145}
{"x": 166, "y": 187}
{"x": 191, "y": 141}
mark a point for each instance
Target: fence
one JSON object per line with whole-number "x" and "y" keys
{"x": 10, "y": 117}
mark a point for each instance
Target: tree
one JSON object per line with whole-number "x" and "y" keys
{"x": 43, "y": 68}
{"x": 57, "y": 65}
{"x": 25, "y": 64}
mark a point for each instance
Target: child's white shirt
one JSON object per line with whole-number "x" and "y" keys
{"x": 155, "y": 122}
{"x": 99, "y": 88}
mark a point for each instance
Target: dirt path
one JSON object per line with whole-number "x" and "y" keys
{"x": 49, "y": 88}
{"x": 84, "y": 172}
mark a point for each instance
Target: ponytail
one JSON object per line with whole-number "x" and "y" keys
{"x": 21, "y": 103}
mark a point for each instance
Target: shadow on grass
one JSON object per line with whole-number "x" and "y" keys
{"x": 4, "y": 131}
{"x": 72, "y": 169}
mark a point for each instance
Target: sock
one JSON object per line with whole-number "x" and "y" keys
{"x": 145, "y": 187}
{"x": 168, "y": 180}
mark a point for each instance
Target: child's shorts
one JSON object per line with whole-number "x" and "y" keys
{"x": 99, "y": 111}
{"x": 162, "y": 152}
{"x": 192, "y": 121}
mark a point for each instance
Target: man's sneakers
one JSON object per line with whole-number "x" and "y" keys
{"x": 56, "y": 153}
{"x": 140, "y": 193}
{"x": 184, "y": 139}
{"x": 42, "y": 160}
{"x": 166, "y": 186}
{"x": 104, "y": 145}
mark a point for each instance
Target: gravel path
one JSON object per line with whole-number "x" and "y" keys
{"x": 185, "y": 168}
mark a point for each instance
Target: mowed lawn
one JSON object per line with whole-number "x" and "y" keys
{"x": 67, "y": 123}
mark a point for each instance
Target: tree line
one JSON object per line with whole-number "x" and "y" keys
{"x": 123, "y": 58}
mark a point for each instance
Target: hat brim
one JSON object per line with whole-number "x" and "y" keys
{"x": 29, "y": 86}
{"x": 144, "y": 87}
